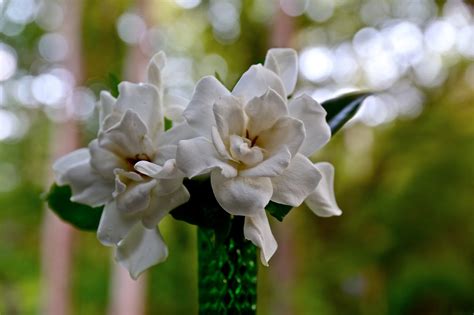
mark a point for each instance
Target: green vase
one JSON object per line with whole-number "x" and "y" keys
{"x": 227, "y": 272}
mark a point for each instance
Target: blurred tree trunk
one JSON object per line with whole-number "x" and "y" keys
{"x": 57, "y": 236}
{"x": 127, "y": 295}
{"x": 283, "y": 263}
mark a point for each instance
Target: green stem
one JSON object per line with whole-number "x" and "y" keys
{"x": 227, "y": 272}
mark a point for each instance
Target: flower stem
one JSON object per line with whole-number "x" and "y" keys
{"x": 227, "y": 272}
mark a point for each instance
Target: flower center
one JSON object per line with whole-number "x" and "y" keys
{"x": 245, "y": 151}
{"x": 137, "y": 158}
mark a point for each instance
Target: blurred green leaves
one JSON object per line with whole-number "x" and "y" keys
{"x": 81, "y": 216}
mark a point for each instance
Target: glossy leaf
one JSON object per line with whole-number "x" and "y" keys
{"x": 81, "y": 216}
{"x": 342, "y": 108}
{"x": 277, "y": 210}
{"x": 202, "y": 209}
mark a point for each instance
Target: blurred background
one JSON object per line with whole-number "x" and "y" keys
{"x": 404, "y": 165}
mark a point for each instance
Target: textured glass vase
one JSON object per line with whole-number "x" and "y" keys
{"x": 227, "y": 272}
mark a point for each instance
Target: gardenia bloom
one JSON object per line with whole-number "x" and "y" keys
{"x": 131, "y": 169}
{"x": 255, "y": 145}
{"x": 173, "y": 104}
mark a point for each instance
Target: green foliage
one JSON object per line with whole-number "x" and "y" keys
{"x": 113, "y": 82}
{"x": 342, "y": 108}
{"x": 168, "y": 123}
{"x": 202, "y": 209}
{"x": 81, "y": 216}
{"x": 278, "y": 210}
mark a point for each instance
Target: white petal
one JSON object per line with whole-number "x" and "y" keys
{"x": 128, "y": 139}
{"x": 264, "y": 111}
{"x": 136, "y": 197}
{"x": 104, "y": 161}
{"x": 106, "y": 104}
{"x": 143, "y": 99}
{"x": 167, "y": 171}
{"x": 114, "y": 225}
{"x": 154, "y": 70}
{"x": 241, "y": 195}
{"x": 313, "y": 115}
{"x": 322, "y": 200}
{"x": 161, "y": 205}
{"x": 199, "y": 113}
{"x": 198, "y": 156}
{"x": 296, "y": 182}
{"x": 256, "y": 81}
{"x": 87, "y": 186}
{"x": 287, "y": 131}
{"x": 62, "y": 165}
{"x": 178, "y": 132}
{"x": 284, "y": 62}
{"x": 219, "y": 144}
{"x": 229, "y": 115}
{"x": 141, "y": 249}
{"x": 257, "y": 230}
{"x": 272, "y": 166}
{"x": 165, "y": 153}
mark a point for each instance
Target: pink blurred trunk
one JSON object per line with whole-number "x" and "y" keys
{"x": 283, "y": 263}
{"x": 127, "y": 295}
{"x": 57, "y": 236}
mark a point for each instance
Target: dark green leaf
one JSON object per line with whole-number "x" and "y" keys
{"x": 202, "y": 209}
{"x": 342, "y": 108}
{"x": 113, "y": 84}
{"x": 81, "y": 216}
{"x": 168, "y": 123}
{"x": 278, "y": 210}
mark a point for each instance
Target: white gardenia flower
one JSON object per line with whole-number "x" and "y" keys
{"x": 130, "y": 168}
{"x": 255, "y": 145}
{"x": 157, "y": 73}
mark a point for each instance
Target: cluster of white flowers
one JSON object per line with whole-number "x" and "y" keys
{"x": 254, "y": 142}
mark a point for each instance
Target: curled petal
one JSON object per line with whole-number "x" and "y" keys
{"x": 106, "y": 104}
{"x": 104, "y": 161}
{"x": 141, "y": 249}
{"x": 114, "y": 225}
{"x": 128, "y": 138}
{"x": 62, "y": 165}
{"x": 177, "y": 133}
{"x": 322, "y": 200}
{"x": 257, "y": 230}
{"x": 284, "y": 62}
{"x": 287, "y": 131}
{"x": 296, "y": 182}
{"x": 143, "y": 99}
{"x": 229, "y": 115}
{"x": 174, "y": 107}
{"x": 136, "y": 196}
{"x": 264, "y": 111}
{"x": 87, "y": 186}
{"x": 198, "y": 156}
{"x": 256, "y": 81}
{"x": 241, "y": 195}
{"x": 155, "y": 69}
{"x": 161, "y": 205}
{"x": 313, "y": 115}
{"x": 167, "y": 171}
{"x": 199, "y": 113}
{"x": 272, "y": 166}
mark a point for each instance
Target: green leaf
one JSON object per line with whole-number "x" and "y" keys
{"x": 342, "y": 108}
{"x": 278, "y": 210}
{"x": 168, "y": 123}
{"x": 81, "y": 216}
{"x": 202, "y": 209}
{"x": 114, "y": 81}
